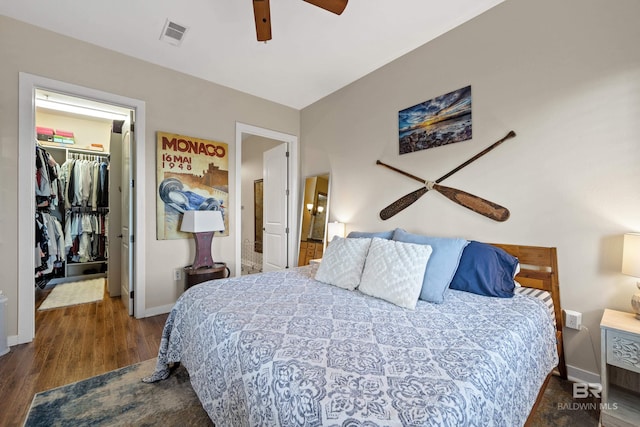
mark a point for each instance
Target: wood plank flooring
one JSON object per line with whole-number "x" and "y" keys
{"x": 72, "y": 344}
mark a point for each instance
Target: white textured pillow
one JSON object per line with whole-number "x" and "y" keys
{"x": 394, "y": 271}
{"x": 343, "y": 261}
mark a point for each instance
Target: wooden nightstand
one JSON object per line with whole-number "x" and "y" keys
{"x": 620, "y": 369}
{"x": 193, "y": 277}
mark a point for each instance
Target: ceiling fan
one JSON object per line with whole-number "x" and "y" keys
{"x": 262, "y": 14}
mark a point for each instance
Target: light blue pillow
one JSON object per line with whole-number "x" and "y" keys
{"x": 370, "y": 235}
{"x": 442, "y": 265}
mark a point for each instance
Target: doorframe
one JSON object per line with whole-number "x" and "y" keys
{"x": 294, "y": 173}
{"x": 28, "y": 83}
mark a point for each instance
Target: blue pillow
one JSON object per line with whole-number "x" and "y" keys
{"x": 370, "y": 235}
{"x": 442, "y": 265}
{"x": 485, "y": 270}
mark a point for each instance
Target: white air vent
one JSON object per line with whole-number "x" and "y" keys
{"x": 173, "y": 33}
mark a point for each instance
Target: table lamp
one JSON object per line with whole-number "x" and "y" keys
{"x": 631, "y": 265}
{"x": 335, "y": 229}
{"x": 202, "y": 224}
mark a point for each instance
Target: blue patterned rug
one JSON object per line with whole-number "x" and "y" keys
{"x": 120, "y": 398}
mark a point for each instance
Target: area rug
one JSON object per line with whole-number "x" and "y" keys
{"x": 558, "y": 408}
{"x": 74, "y": 293}
{"x": 121, "y": 398}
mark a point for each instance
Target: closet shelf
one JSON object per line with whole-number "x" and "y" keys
{"x": 72, "y": 148}
{"x": 104, "y": 261}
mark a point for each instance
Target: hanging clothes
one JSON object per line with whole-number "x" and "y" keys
{"x": 49, "y": 247}
{"x": 86, "y": 183}
{"x": 85, "y": 236}
{"x": 72, "y": 218}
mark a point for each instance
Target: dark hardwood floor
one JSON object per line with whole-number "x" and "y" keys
{"x": 72, "y": 344}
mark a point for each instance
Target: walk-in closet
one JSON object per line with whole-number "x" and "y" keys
{"x": 74, "y": 205}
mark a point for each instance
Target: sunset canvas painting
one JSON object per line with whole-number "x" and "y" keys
{"x": 440, "y": 121}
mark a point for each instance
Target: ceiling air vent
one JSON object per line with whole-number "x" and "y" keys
{"x": 173, "y": 33}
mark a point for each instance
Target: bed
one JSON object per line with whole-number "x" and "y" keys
{"x": 281, "y": 348}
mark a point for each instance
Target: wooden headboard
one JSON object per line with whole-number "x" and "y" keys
{"x": 539, "y": 269}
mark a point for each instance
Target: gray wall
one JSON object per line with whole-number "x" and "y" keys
{"x": 565, "y": 75}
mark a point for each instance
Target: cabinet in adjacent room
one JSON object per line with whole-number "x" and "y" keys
{"x": 309, "y": 250}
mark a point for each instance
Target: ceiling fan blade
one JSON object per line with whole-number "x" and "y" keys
{"x": 262, "y": 15}
{"x": 335, "y": 6}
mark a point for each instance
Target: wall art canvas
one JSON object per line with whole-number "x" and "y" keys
{"x": 440, "y": 121}
{"x": 192, "y": 174}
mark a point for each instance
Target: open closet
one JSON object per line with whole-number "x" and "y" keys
{"x": 74, "y": 176}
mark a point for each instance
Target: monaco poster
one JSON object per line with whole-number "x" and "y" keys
{"x": 192, "y": 174}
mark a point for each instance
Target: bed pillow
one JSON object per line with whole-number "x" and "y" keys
{"x": 394, "y": 271}
{"x": 444, "y": 260}
{"x": 369, "y": 235}
{"x": 343, "y": 261}
{"x": 485, "y": 270}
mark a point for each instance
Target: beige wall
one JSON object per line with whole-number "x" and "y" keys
{"x": 566, "y": 77}
{"x": 175, "y": 103}
{"x": 86, "y": 130}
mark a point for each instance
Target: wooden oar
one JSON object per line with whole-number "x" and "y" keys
{"x": 468, "y": 200}
{"x": 475, "y": 203}
{"x": 407, "y": 200}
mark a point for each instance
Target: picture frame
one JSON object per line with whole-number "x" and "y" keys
{"x": 439, "y": 121}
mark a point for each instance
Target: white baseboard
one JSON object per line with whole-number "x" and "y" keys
{"x": 12, "y": 340}
{"x": 154, "y": 311}
{"x": 581, "y": 376}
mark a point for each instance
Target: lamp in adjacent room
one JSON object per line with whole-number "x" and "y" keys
{"x": 202, "y": 224}
{"x": 336, "y": 229}
{"x": 313, "y": 211}
{"x": 631, "y": 265}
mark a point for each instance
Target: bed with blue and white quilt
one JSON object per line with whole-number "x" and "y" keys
{"x": 303, "y": 347}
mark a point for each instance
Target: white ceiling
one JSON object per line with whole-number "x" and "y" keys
{"x": 312, "y": 54}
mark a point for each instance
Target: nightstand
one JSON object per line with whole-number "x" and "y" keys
{"x": 193, "y": 277}
{"x": 620, "y": 375}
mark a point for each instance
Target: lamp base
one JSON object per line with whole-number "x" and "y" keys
{"x": 203, "y": 257}
{"x": 635, "y": 302}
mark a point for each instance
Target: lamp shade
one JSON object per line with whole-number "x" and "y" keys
{"x": 202, "y": 221}
{"x": 631, "y": 255}
{"x": 335, "y": 229}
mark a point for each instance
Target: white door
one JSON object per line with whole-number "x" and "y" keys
{"x": 126, "y": 281}
{"x": 275, "y": 242}
{"x": 115, "y": 205}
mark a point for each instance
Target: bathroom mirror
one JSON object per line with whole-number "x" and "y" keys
{"x": 314, "y": 216}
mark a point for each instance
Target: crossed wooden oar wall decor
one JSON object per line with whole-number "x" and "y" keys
{"x": 469, "y": 201}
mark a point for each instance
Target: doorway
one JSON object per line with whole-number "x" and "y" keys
{"x": 252, "y": 204}
{"x": 245, "y": 134}
{"x": 28, "y": 85}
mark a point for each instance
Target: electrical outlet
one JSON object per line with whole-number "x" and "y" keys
{"x": 573, "y": 319}
{"x": 177, "y": 274}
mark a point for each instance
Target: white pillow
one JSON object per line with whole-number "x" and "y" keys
{"x": 394, "y": 271}
{"x": 343, "y": 261}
